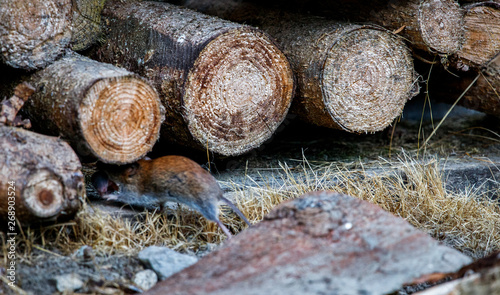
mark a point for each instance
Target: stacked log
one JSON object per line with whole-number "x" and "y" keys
{"x": 482, "y": 36}
{"x": 352, "y": 77}
{"x": 481, "y": 88}
{"x": 429, "y": 25}
{"x": 86, "y": 23}
{"x": 226, "y": 86}
{"x": 34, "y": 33}
{"x": 40, "y": 178}
{"x": 105, "y": 112}
{"x": 477, "y": 63}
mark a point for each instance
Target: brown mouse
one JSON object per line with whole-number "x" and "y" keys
{"x": 178, "y": 179}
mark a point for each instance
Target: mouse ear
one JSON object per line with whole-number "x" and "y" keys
{"x": 132, "y": 170}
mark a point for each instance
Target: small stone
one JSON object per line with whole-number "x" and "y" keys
{"x": 164, "y": 261}
{"x": 145, "y": 279}
{"x": 68, "y": 282}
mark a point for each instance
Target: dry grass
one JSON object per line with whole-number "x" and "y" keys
{"x": 413, "y": 190}
{"x": 410, "y": 189}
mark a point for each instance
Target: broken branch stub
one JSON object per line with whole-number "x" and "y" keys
{"x": 40, "y": 176}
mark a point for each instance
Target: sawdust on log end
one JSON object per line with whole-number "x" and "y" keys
{"x": 238, "y": 92}
{"x": 34, "y": 33}
{"x": 120, "y": 118}
{"x": 367, "y": 79}
{"x": 441, "y": 25}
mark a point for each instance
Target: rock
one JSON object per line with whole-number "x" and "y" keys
{"x": 145, "y": 279}
{"x": 84, "y": 254}
{"x": 164, "y": 261}
{"x": 68, "y": 282}
{"x": 321, "y": 243}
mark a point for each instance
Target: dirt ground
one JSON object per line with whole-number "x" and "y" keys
{"x": 464, "y": 135}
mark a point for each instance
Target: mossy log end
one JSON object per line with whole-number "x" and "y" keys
{"x": 226, "y": 86}
{"x": 40, "y": 176}
{"x": 105, "y": 112}
{"x": 34, "y": 33}
{"x": 352, "y": 77}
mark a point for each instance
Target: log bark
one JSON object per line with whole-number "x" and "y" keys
{"x": 352, "y": 77}
{"x": 226, "y": 86}
{"x": 482, "y": 36}
{"x": 40, "y": 177}
{"x": 34, "y": 33}
{"x": 105, "y": 112}
{"x": 483, "y": 96}
{"x": 430, "y": 25}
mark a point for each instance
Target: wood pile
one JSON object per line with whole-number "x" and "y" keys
{"x": 221, "y": 75}
{"x": 226, "y": 86}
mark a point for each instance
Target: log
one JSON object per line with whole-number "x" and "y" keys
{"x": 483, "y": 96}
{"x": 86, "y": 23}
{"x": 226, "y": 86}
{"x": 434, "y": 26}
{"x": 34, "y": 33}
{"x": 482, "y": 36}
{"x": 40, "y": 178}
{"x": 105, "y": 112}
{"x": 349, "y": 76}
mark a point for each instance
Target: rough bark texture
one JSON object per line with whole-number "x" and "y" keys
{"x": 482, "y": 36}
{"x": 34, "y": 33}
{"x": 430, "y": 25}
{"x": 352, "y": 77}
{"x": 105, "y": 112}
{"x": 226, "y": 86}
{"x": 86, "y": 23}
{"x": 483, "y": 96}
{"x": 42, "y": 172}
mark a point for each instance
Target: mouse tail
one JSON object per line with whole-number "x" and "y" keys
{"x": 235, "y": 209}
{"x": 224, "y": 229}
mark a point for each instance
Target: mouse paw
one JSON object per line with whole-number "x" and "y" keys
{"x": 110, "y": 197}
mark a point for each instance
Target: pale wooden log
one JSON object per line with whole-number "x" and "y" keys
{"x": 482, "y": 36}
{"x": 105, "y": 112}
{"x": 226, "y": 86}
{"x": 41, "y": 174}
{"x": 349, "y": 76}
{"x": 34, "y": 33}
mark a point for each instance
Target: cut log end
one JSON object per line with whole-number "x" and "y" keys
{"x": 43, "y": 196}
{"x": 34, "y": 33}
{"x": 238, "y": 92}
{"x": 367, "y": 79}
{"x": 441, "y": 25}
{"x": 120, "y": 118}
{"x": 482, "y": 36}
